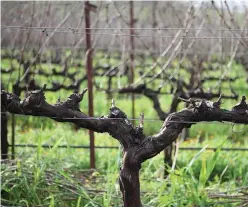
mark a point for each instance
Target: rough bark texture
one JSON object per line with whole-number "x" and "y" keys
{"x": 153, "y": 95}
{"x": 136, "y": 146}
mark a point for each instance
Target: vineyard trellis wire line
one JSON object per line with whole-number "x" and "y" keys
{"x": 131, "y": 119}
{"x": 101, "y": 28}
{"x": 148, "y": 36}
{"x": 117, "y": 147}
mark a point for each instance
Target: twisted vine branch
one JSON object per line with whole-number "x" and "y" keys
{"x": 137, "y": 147}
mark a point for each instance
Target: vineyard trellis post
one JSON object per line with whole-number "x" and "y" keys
{"x": 13, "y": 136}
{"x": 4, "y": 136}
{"x": 89, "y": 50}
{"x": 132, "y": 20}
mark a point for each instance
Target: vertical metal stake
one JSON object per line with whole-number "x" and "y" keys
{"x": 4, "y": 136}
{"x": 13, "y": 137}
{"x": 132, "y": 56}
{"x": 89, "y": 51}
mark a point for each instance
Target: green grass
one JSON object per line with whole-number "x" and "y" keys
{"x": 60, "y": 177}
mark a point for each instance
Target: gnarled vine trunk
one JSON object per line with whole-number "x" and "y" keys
{"x": 137, "y": 147}
{"x": 129, "y": 182}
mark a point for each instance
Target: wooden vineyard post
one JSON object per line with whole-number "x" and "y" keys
{"x": 132, "y": 56}
{"x": 89, "y": 50}
{"x": 4, "y": 136}
{"x": 13, "y": 137}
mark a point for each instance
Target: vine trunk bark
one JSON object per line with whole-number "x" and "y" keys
{"x": 129, "y": 183}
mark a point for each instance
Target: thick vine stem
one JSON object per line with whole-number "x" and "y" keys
{"x": 117, "y": 123}
{"x": 136, "y": 146}
{"x": 34, "y": 103}
{"x": 197, "y": 111}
